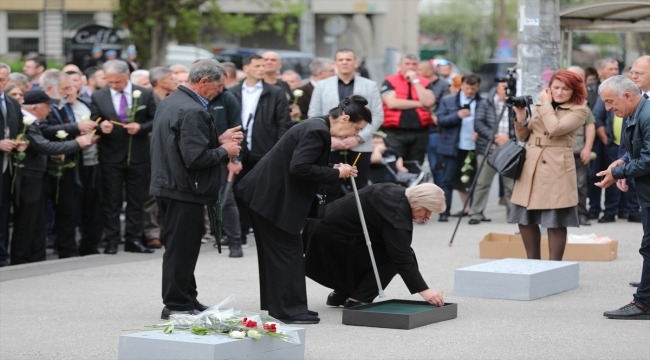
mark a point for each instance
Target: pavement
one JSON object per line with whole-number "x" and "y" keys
{"x": 78, "y": 308}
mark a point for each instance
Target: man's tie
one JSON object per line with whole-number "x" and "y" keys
{"x": 123, "y": 106}
{"x": 645, "y": 95}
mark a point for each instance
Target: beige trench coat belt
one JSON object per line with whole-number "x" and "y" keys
{"x": 537, "y": 141}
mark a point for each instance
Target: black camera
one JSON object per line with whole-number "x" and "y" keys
{"x": 519, "y": 101}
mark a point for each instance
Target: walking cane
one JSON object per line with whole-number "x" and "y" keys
{"x": 365, "y": 231}
{"x": 227, "y": 190}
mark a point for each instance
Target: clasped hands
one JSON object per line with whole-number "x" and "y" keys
{"x": 8, "y": 145}
{"x": 230, "y": 141}
{"x": 608, "y": 179}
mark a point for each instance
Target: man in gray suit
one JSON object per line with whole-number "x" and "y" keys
{"x": 327, "y": 94}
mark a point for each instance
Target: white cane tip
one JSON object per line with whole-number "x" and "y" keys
{"x": 381, "y": 294}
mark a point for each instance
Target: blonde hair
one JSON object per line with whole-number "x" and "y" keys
{"x": 426, "y": 196}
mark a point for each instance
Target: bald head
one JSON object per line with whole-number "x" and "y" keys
{"x": 272, "y": 63}
{"x": 425, "y": 69}
{"x": 578, "y": 71}
{"x": 640, "y": 73}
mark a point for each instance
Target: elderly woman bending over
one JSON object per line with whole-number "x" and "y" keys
{"x": 337, "y": 256}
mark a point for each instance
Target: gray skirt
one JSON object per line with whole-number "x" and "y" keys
{"x": 552, "y": 218}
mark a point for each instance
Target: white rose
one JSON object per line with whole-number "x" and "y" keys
{"x": 254, "y": 334}
{"x": 298, "y": 93}
{"x": 137, "y": 94}
{"x": 85, "y": 118}
{"x": 237, "y": 334}
{"x": 464, "y": 179}
{"x": 61, "y": 134}
{"x": 28, "y": 120}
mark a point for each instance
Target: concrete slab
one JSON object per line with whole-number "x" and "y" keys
{"x": 516, "y": 279}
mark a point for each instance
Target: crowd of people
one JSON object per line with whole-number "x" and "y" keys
{"x": 77, "y": 149}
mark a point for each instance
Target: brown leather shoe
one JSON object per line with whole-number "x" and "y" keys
{"x": 154, "y": 244}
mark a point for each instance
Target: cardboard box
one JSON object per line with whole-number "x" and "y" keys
{"x": 516, "y": 279}
{"x": 399, "y": 314}
{"x": 501, "y": 246}
{"x": 156, "y": 345}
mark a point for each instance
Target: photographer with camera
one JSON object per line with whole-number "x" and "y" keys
{"x": 546, "y": 191}
{"x": 488, "y": 113}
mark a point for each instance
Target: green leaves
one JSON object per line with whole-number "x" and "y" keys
{"x": 199, "y": 330}
{"x": 169, "y": 329}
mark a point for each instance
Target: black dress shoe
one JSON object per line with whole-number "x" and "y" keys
{"x": 622, "y": 214}
{"x": 235, "y": 251}
{"x": 485, "y": 219}
{"x": 334, "y": 299}
{"x": 443, "y": 217}
{"x": 166, "y": 312}
{"x": 583, "y": 220}
{"x": 92, "y": 251}
{"x": 312, "y": 313}
{"x": 631, "y": 311}
{"x": 349, "y": 304}
{"x": 301, "y": 319}
{"x": 137, "y": 247}
{"x": 474, "y": 222}
{"x": 635, "y": 283}
{"x": 593, "y": 215}
{"x": 458, "y": 214}
{"x": 607, "y": 219}
{"x": 200, "y": 307}
{"x": 634, "y": 218}
{"x": 110, "y": 249}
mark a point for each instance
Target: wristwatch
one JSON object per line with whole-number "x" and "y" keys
{"x": 235, "y": 160}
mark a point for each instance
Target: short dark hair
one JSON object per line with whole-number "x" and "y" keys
{"x": 90, "y": 72}
{"x": 248, "y": 59}
{"x": 72, "y": 72}
{"x": 345, "y": 51}
{"x": 39, "y": 61}
{"x": 355, "y": 107}
{"x": 471, "y": 79}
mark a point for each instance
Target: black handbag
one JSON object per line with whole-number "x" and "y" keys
{"x": 317, "y": 210}
{"x": 508, "y": 159}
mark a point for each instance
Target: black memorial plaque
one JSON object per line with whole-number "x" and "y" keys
{"x": 399, "y": 314}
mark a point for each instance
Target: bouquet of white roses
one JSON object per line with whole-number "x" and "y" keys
{"x": 224, "y": 320}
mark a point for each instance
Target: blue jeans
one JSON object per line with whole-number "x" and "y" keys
{"x": 606, "y": 154}
{"x": 432, "y": 154}
{"x": 643, "y": 291}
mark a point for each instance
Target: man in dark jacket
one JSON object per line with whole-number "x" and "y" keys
{"x": 10, "y": 127}
{"x": 622, "y": 96}
{"x": 29, "y": 236}
{"x": 265, "y": 119}
{"x": 226, "y": 113}
{"x": 123, "y": 153}
{"x": 486, "y": 114}
{"x": 320, "y": 69}
{"x": 185, "y": 176}
{"x": 456, "y": 121}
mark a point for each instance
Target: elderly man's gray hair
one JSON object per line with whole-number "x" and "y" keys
{"x": 207, "y": 68}
{"x": 409, "y": 56}
{"x": 181, "y": 67}
{"x": 600, "y": 64}
{"x": 138, "y": 74}
{"x": 53, "y": 79}
{"x": 318, "y": 65}
{"x": 19, "y": 77}
{"x": 5, "y": 66}
{"x": 116, "y": 67}
{"x": 619, "y": 85}
{"x": 158, "y": 73}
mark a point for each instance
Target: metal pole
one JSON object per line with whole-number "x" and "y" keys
{"x": 569, "y": 50}
{"x": 365, "y": 233}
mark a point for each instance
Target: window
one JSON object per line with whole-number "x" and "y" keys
{"x": 23, "y": 45}
{"x": 22, "y": 21}
{"x": 74, "y": 21}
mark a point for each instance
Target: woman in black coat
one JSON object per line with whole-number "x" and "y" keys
{"x": 336, "y": 253}
{"x": 279, "y": 192}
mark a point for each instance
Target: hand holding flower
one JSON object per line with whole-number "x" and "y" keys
{"x": 86, "y": 126}
{"x": 7, "y": 145}
{"x": 21, "y": 145}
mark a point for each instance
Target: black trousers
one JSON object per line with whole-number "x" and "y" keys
{"x": 410, "y": 144}
{"x": 242, "y": 207}
{"x": 65, "y": 218}
{"x": 90, "y": 208}
{"x": 29, "y": 236}
{"x": 335, "y": 192}
{"x": 182, "y": 227}
{"x": 283, "y": 291}
{"x": 4, "y": 217}
{"x": 134, "y": 179}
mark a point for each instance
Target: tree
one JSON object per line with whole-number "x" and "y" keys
{"x": 470, "y": 29}
{"x": 152, "y": 23}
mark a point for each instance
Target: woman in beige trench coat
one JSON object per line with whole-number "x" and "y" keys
{"x": 546, "y": 193}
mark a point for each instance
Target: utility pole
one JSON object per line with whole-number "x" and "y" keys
{"x": 307, "y": 29}
{"x": 538, "y": 49}
{"x": 502, "y": 19}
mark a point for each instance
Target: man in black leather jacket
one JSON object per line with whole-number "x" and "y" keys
{"x": 185, "y": 176}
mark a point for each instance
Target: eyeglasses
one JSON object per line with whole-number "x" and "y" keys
{"x": 639, "y": 73}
